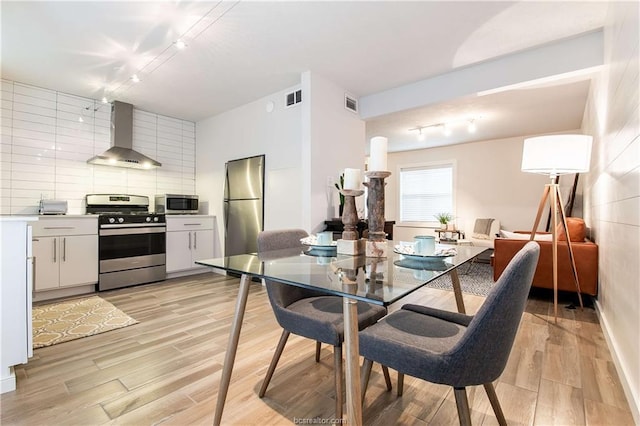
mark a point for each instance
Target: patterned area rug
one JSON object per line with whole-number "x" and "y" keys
{"x": 478, "y": 280}
{"x": 74, "y": 319}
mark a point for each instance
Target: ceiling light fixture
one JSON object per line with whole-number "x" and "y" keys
{"x": 192, "y": 33}
{"x": 446, "y": 127}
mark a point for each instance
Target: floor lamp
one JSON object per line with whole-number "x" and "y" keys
{"x": 555, "y": 155}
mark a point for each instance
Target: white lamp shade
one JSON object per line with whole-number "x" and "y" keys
{"x": 557, "y": 154}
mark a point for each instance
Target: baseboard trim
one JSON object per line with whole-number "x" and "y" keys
{"x": 8, "y": 383}
{"x": 633, "y": 400}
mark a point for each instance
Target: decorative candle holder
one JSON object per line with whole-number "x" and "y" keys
{"x": 350, "y": 244}
{"x": 377, "y": 242}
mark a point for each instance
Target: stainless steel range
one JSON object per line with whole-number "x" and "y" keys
{"x": 132, "y": 241}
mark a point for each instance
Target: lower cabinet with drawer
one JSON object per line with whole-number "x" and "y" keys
{"x": 65, "y": 252}
{"x": 189, "y": 238}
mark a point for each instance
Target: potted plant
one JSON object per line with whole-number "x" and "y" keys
{"x": 444, "y": 218}
{"x": 339, "y": 186}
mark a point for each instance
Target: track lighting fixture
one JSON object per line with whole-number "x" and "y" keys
{"x": 446, "y": 128}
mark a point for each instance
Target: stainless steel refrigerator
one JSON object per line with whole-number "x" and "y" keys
{"x": 243, "y": 204}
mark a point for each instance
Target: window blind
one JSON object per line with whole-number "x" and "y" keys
{"x": 425, "y": 192}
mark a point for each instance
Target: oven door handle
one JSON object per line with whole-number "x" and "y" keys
{"x": 130, "y": 231}
{"x": 131, "y": 225}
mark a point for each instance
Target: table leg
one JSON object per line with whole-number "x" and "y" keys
{"x": 232, "y": 346}
{"x": 352, "y": 371}
{"x": 457, "y": 291}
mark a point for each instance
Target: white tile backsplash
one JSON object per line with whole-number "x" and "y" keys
{"x": 34, "y": 92}
{"x": 34, "y": 118}
{"x": 37, "y": 153}
{"x": 45, "y": 147}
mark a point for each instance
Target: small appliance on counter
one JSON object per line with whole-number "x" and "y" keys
{"x": 176, "y": 204}
{"x": 52, "y": 207}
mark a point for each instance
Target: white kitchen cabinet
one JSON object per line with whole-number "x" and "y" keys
{"x": 65, "y": 252}
{"x": 16, "y": 338}
{"x": 189, "y": 238}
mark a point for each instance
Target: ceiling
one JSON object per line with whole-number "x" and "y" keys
{"x": 238, "y": 52}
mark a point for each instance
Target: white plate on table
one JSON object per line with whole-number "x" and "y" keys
{"x": 333, "y": 246}
{"x": 424, "y": 256}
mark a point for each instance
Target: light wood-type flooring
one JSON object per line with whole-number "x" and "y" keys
{"x": 166, "y": 369}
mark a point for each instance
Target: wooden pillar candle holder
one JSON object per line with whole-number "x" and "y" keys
{"x": 350, "y": 244}
{"x": 377, "y": 242}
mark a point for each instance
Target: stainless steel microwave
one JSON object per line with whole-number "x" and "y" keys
{"x": 177, "y": 204}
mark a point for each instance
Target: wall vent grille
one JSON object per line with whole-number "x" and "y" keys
{"x": 350, "y": 103}
{"x": 293, "y": 98}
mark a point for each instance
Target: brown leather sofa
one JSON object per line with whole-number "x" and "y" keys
{"x": 585, "y": 255}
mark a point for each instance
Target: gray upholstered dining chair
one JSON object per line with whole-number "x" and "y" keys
{"x": 309, "y": 313}
{"x": 451, "y": 348}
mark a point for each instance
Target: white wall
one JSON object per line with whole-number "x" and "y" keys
{"x": 337, "y": 141}
{"x": 45, "y": 147}
{"x": 247, "y": 131}
{"x": 612, "y": 192}
{"x": 304, "y": 145}
{"x": 488, "y": 180}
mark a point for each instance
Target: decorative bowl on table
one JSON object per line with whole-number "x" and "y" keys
{"x": 434, "y": 262}
{"x": 442, "y": 252}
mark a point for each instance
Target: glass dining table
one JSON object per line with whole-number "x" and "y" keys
{"x": 380, "y": 281}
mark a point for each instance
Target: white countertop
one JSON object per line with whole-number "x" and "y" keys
{"x": 18, "y": 218}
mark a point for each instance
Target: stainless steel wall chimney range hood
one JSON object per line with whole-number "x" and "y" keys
{"x": 121, "y": 153}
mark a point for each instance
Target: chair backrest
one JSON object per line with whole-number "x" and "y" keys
{"x": 282, "y": 295}
{"x": 482, "y": 353}
{"x": 280, "y": 239}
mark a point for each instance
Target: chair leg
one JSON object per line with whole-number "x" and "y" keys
{"x": 464, "y": 414}
{"x": 387, "y": 378}
{"x": 318, "y": 344}
{"x": 337, "y": 367}
{"x": 365, "y": 374}
{"x": 400, "y": 383}
{"x": 274, "y": 362}
{"x": 493, "y": 398}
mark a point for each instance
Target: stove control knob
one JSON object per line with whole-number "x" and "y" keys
{"x": 120, "y": 219}
{"x": 112, "y": 220}
{"x": 155, "y": 219}
{"x": 148, "y": 219}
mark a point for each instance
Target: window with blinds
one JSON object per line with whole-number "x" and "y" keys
{"x": 425, "y": 191}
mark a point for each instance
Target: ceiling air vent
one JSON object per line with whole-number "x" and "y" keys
{"x": 293, "y": 98}
{"x": 350, "y": 103}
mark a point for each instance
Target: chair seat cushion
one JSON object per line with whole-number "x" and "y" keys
{"x": 321, "y": 318}
{"x": 413, "y": 343}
